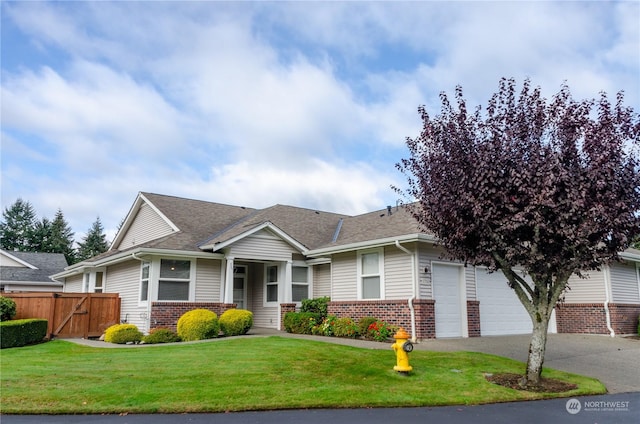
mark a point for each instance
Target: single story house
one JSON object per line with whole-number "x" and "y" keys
{"x": 173, "y": 254}
{"x": 30, "y": 271}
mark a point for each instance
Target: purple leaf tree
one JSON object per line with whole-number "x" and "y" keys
{"x": 529, "y": 186}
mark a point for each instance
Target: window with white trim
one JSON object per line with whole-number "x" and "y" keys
{"x": 145, "y": 269}
{"x": 85, "y": 282}
{"x": 370, "y": 271}
{"x": 175, "y": 278}
{"x": 299, "y": 283}
{"x": 271, "y": 284}
{"x": 99, "y": 283}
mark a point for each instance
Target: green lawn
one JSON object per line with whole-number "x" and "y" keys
{"x": 244, "y": 373}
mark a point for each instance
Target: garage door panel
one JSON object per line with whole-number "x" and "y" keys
{"x": 448, "y": 297}
{"x": 501, "y": 312}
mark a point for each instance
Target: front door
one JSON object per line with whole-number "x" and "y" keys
{"x": 239, "y": 285}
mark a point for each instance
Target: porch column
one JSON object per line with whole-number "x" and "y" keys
{"x": 228, "y": 283}
{"x": 287, "y": 282}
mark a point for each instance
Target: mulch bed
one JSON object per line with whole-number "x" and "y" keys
{"x": 547, "y": 385}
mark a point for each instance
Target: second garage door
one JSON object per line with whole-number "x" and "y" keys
{"x": 501, "y": 312}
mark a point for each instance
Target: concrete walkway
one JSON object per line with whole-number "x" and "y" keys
{"x": 613, "y": 361}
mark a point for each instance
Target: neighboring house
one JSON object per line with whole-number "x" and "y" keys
{"x": 173, "y": 254}
{"x": 30, "y": 271}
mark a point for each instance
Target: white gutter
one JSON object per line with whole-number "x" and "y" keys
{"x": 414, "y": 289}
{"x": 607, "y": 286}
{"x": 369, "y": 244}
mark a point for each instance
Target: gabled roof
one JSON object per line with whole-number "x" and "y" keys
{"x": 37, "y": 266}
{"x": 308, "y": 227}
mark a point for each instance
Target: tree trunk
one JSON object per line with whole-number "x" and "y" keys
{"x": 536, "y": 350}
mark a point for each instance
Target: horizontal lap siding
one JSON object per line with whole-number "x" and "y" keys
{"x": 624, "y": 283}
{"x": 344, "y": 275}
{"x": 398, "y": 280}
{"x": 321, "y": 280}
{"x": 586, "y": 290}
{"x": 124, "y": 279}
{"x": 73, "y": 284}
{"x": 208, "y": 280}
{"x": 146, "y": 226}
{"x": 262, "y": 246}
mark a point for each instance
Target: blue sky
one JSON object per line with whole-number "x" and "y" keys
{"x": 255, "y": 104}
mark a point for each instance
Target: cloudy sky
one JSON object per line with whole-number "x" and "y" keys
{"x": 255, "y": 104}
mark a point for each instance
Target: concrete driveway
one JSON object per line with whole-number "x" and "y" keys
{"x": 613, "y": 361}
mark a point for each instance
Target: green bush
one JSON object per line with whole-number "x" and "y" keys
{"x": 198, "y": 324}
{"x": 301, "y": 322}
{"x": 236, "y": 322}
{"x": 122, "y": 334}
{"x": 22, "y": 332}
{"x": 364, "y": 323}
{"x": 7, "y": 308}
{"x": 316, "y": 306}
{"x": 160, "y": 335}
{"x": 638, "y": 325}
{"x": 345, "y": 327}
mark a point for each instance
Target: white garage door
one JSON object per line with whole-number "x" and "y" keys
{"x": 501, "y": 312}
{"x": 448, "y": 297}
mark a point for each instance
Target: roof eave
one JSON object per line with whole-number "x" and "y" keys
{"x": 265, "y": 225}
{"x": 370, "y": 244}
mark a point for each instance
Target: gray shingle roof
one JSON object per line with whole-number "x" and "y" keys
{"x": 46, "y": 264}
{"x": 206, "y": 223}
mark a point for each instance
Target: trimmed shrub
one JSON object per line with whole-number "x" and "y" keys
{"x": 638, "y": 325}
{"x": 160, "y": 335}
{"x": 198, "y": 324}
{"x": 122, "y": 334}
{"x": 364, "y": 323}
{"x": 22, "y": 332}
{"x": 7, "y": 308}
{"x": 345, "y": 327}
{"x": 236, "y": 322}
{"x": 316, "y": 306}
{"x": 301, "y": 322}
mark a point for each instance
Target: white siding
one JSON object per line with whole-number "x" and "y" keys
{"x": 344, "y": 276}
{"x": 124, "y": 279}
{"x": 147, "y": 225}
{"x": 397, "y": 273}
{"x": 208, "y": 280}
{"x": 262, "y": 316}
{"x": 262, "y": 245}
{"x": 429, "y": 254}
{"x": 624, "y": 283}
{"x": 73, "y": 284}
{"x": 322, "y": 280}
{"x": 6, "y": 261}
{"x": 586, "y": 290}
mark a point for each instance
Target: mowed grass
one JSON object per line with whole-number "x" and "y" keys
{"x": 245, "y": 373}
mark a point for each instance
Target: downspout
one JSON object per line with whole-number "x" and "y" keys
{"x": 414, "y": 289}
{"x": 133, "y": 255}
{"x": 607, "y": 299}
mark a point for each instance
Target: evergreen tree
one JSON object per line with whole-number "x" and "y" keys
{"x": 94, "y": 243}
{"x": 41, "y": 237}
{"x": 17, "y": 226}
{"x": 61, "y": 240}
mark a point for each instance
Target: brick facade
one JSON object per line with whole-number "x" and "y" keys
{"x": 395, "y": 312}
{"x": 473, "y": 318}
{"x": 590, "y": 318}
{"x": 284, "y": 308}
{"x": 166, "y": 314}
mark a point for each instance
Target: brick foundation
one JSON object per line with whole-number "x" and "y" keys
{"x": 395, "y": 312}
{"x": 166, "y": 314}
{"x": 473, "y": 318}
{"x": 590, "y": 318}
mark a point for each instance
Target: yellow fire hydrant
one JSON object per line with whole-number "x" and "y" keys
{"x": 402, "y": 346}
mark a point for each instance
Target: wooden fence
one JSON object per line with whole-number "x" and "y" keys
{"x": 70, "y": 314}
